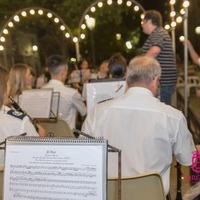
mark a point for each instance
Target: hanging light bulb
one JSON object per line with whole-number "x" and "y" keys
{"x": 32, "y": 12}
{"x": 109, "y": 2}
{"x": 100, "y": 4}
{"x": 40, "y": 12}
{"x": 23, "y": 13}
{"x": 16, "y": 18}
{"x": 128, "y": 3}
{"x": 10, "y": 24}
{"x": 93, "y": 9}
{"x": 49, "y": 15}
{"x": 75, "y": 39}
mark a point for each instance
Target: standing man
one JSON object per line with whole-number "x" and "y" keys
{"x": 159, "y": 46}
{"x": 147, "y": 131}
{"x": 70, "y": 99}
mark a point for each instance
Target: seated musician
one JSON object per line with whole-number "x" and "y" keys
{"x": 13, "y": 122}
{"x": 147, "y": 131}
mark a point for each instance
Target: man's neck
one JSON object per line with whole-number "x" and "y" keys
{"x": 153, "y": 28}
{"x": 57, "y": 78}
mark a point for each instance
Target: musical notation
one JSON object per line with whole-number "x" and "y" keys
{"x": 54, "y": 172}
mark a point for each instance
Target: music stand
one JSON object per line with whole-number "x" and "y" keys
{"x": 42, "y": 104}
{"x": 110, "y": 149}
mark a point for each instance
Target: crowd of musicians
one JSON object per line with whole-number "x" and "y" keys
{"x": 141, "y": 122}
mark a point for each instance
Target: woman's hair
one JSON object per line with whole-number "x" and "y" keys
{"x": 117, "y": 66}
{"x": 3, "y": 84}
{"x": 16, "y": 79}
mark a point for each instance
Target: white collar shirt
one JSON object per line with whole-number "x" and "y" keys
{"x": 70, "y": 102}
{"x": 12, "y": 125}
{"x": 147, "y": 131}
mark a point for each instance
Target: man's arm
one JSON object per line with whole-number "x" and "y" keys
{"x": 193, "y": 54}
{"x": 79, "y": 104}
{"x": 184, "y": 144}
{"x": 153, "y": 51}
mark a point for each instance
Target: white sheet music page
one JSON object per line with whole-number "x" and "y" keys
{"x": 37, "y": 102}
{"x": 73, "y": 170}
{"x": 102, "y": 91}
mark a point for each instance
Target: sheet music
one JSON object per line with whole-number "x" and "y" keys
{"x": 37, "y": 102}
{"x": 58, "y": 171}
{"x": 98, "y": 92}
{"x": 77, "y": 75}
{"x": 55, "y": 105}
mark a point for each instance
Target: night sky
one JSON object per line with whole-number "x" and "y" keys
{"x": 152, "y": 4}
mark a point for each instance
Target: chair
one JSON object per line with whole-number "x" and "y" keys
{"x": 143, "y": 187}
{"x": 1, "y": 183}
{"x": 60, "y": 128}
{"x": 193, "y": 82}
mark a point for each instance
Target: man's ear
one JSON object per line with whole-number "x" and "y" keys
{"x": 63, "y": 70}
{"x": 156, "y": 79}
{"x": 155, "y": 83}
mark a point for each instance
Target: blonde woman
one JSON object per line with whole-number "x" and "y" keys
{"x": 20, "y": 78}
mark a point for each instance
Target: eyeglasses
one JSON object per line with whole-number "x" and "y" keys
{"x": 144, "y": 21}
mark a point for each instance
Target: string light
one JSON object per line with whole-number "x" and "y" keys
{"x": 119, "y": 2}
{"x": 173, "y": 24}
{"x": 35, "y": 48}
{"x": 32, "y": 12}
{"x": 181, "y": 38}
{"x": 5, "y": 31}
{"x": 49, "y": 15}
{"x": 86, "y": 17}
{"x": 136, "y": 8}
{"x": 179, "y": 19}
{"x": 109, "y": 2}
{"x": 2, "y": 39}
{"x": 167, "y": 26}
{"x": 10, "y": 24}
{"x": 67, "y": 35}
{"x": 128, "y": 3}
{"x": 83, "y": 26}
{"x": 182, "y": 11}
{"x": 186, "y": 4}
{"x": 172, "y": 13}
{"x": 75, "y": 39}
{"x": 172, "y": 2}
{"x": 100, "y": 4}
{"x": 40, "y": 12}
{"x": 93, "y": 9}
{"x": 1, "y": 48}
{"x": 56, "y": 20}
{"x": 197, "y": 30}
{"x": 82, "y": 36}
{"x": 62, "y": 27}
{"x": 16, "y": 18}
{"x": 23, "y": 13}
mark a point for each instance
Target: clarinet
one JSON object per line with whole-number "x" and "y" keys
{"x": 16, "y": 106}
{"x": 179, "y": 182}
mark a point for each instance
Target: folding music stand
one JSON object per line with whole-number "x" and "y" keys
{"x": 40, "y": 103}
{"x": 110, "y": 149}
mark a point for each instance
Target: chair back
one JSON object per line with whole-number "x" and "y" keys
{"x": 60, "y": 128}
{"x": 143, "y": 187}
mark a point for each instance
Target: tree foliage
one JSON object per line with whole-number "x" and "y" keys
{"x": 110, "y": 20}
